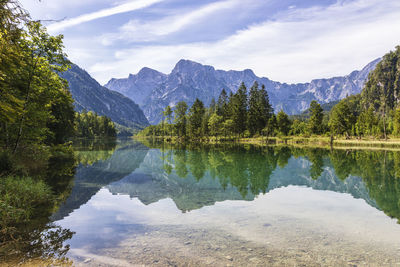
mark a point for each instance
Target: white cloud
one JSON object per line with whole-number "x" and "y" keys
{"x": 136, "y": 30}
{"x": 297, "y": 46}
{"x": 126, "y": 7}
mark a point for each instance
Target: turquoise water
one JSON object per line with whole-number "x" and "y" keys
{"x": 133, "y": 204}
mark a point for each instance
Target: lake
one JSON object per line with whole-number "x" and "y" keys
{"x": 135, "y": 203}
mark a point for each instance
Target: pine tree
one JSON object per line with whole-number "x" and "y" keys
{"x": 222, "y": 104}
{"x": 213, "y": 106}
{"x": 239, "y": 109}
{"x": 195, "y": 118}
{"x": 180, "y": 118}
{"x": 254, "y": 113}
{"x": 266, "y": 109}
{"x": 315, "y": 121}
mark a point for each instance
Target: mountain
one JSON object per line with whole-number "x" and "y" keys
{"x": 89, "y": 179}
{"x": 151, "y": 183}
{"x": 89, "y": 95}
{"x": 189, "y": 80}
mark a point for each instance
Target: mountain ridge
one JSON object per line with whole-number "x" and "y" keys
{"x": 189, "y": 80}
{"x": 89, "y": 95}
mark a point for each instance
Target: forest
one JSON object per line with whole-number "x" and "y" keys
{"x": 248, "y": 113}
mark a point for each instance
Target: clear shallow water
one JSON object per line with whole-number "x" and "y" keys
{"x": 220, "y": 205}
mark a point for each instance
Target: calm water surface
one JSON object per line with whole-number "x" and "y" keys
{"x": 136, "y": 204}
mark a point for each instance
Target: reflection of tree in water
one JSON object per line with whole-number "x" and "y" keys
{"x": 316, "y": 157}
{"x": 180, "y": 159}
{"x": 89, "y": 152}
{"x": 380, "y": 173}
{"x": 41, "y": 243}
{"x": 196, "y": 163}
{"x": 248, "y": 169}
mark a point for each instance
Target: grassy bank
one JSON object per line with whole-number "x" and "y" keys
{"x": 312, "y": 141}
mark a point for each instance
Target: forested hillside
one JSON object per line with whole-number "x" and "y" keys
{"x": 89, "y": 95}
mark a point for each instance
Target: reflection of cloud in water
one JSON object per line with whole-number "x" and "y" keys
{"x": 293, "y": 213}
{"x": 216, "y": 194}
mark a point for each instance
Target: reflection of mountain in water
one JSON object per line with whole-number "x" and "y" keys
{"x": 151, "y": 182}
{"x": 89, "y": 179}
{"x": 296, "y": 172}
{"x": 198, "y": 177}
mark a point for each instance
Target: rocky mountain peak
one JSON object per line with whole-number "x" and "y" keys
{"x": 188, "y": 66}
{"x": 149, "y": 73}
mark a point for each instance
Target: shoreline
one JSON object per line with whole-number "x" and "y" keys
{"x": 298, "y": 141}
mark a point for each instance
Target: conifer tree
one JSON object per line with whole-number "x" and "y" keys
{"x": 195, "y": 118}
{"x": 315, "y": 121}
{"x": 239, "y": 109}
{"x": 265, "y": 107}
{"x": 180, "y": 118}
{"x": 255, "y": 112}
{"x": 222, "y": 104}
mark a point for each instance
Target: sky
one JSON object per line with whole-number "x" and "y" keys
{"x": 285, "y": 40}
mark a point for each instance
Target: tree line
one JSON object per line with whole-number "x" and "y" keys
{"x": 91, "y": 125}
{"x": 248, "y": 113}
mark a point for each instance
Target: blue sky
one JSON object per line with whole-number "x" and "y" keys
{"x": 284, "y": 40}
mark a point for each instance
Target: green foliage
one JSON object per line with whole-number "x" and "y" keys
{"x": 195, "y": 118}
{"x": 168, "y": 114}
{"x": 36, "y": 116}
{"x": 283, "y": 123}
{"x": 342, "y": 119}
{"x": 382, "y": 89}
{"x": 215, "y": 124}
{"x": 35, "y": 105}
{"x": 315, "y": 121}
{"x": 180, "y": 118}
{"x": 260, "y": 110}
{"x": 229, "y": 116}
{"x": 397, "y": 122}
{"x": 227, "y": 127}
{"x": 223, "y": 105}
{"x": 91, "y": 125}
{"x": 299, "y": 127}
{"x": 367, "y": 123}
{"x": 238, "y": 106}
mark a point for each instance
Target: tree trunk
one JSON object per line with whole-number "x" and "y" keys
{"x": 28, "y": 89}
{"x": 384, "y": 126}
